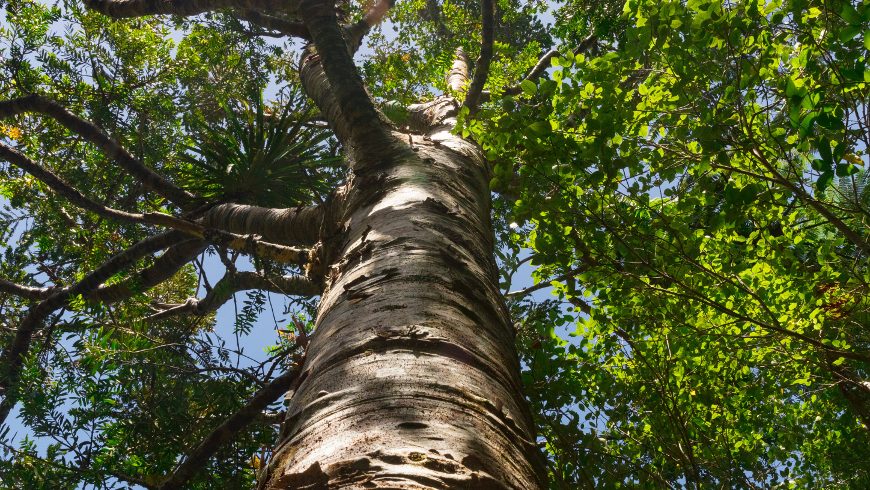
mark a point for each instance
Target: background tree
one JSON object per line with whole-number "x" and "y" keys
{"x": 696, "y": 187}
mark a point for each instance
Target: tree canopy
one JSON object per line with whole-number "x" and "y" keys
{"x": 689, "y": 179}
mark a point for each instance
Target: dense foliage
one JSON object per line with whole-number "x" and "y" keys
{"x": 698, "y": 187}
{"x": 689, "y": 177}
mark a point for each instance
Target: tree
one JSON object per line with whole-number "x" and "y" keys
{"x": 410, "y": 376}
{"x": 688, "y": 177}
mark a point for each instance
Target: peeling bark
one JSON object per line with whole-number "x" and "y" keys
{"x": 411, "y": 379}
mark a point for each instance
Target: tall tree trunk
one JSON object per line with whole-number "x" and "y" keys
{"x": 411, "y": 378}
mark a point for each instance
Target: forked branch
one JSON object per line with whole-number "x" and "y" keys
{"x": 249, "y": 244}
{"x": 12, "y": 358}
{"x": 163, "y": 268}
{"x": 62, "y": 188}
{"x": 366, "y": 135}
{"x": 357, "y": 31}
{"x": 544, "y": 62}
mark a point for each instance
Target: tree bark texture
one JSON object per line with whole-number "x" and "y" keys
{"x": 411, "y": 379}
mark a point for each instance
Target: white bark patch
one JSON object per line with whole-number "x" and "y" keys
{"x": 445, "y": 137}
{"x": 388, "y": 372}
{"x": 403, "y": 198}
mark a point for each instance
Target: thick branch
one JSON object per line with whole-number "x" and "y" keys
{"x": 544, "y": 63}
{"x": 457, "y": 77}
{"x": 286, "y": 27}
{"x": 247, "y": 244}
{"x": 315, "y": 84}
{"x": 301, "y": 226}
{"x": 314, "y": 79}
{"x": 250, "y": 244}
{"x": 481, "y": 67}
{"x": 254, "y": 245}
{"x": 200, "y": 455}
{"x": 373, "y": 17}
{"x": 12, "y": 358}
{"x": 138, "y": 8}
{"x": 163, "y": 268}
{"x": 367, "y": 133}
{"x": 90, "y": 132}
{"x": 28, "y": 292}
{"x": 234, "y": 282}
{"x": 63, "y": 189}
{"x": 236, "y": 242}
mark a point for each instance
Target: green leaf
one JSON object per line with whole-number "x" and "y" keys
{"x": 849, "y": 14}
{"x": 528, "y": 87}
{"x": 806, "y": 125}
{"x": 825, "y": 152}
{"x": 829, "y": 121}
{"x": 540, "y": 127}
{"x": 791, "y": 89}
{"x": 824, "y": 180}
{"x": 848, "y": 33}
{"x": 853, "y": 71}
{"x": 847, "y": 169}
